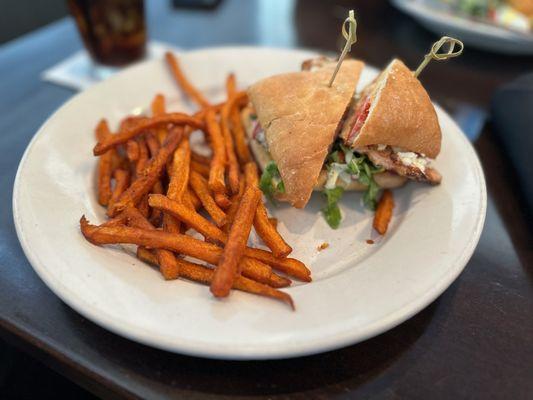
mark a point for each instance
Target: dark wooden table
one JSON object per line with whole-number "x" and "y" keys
{"x": 475, "y": 341}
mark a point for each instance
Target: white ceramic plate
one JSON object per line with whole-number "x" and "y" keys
{"x": 359, "y": 290}
{"x": 471, "y": 32}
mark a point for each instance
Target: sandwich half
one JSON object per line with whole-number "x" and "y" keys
{"x": 395, "y": 125}
{"x": 292, "y": 122}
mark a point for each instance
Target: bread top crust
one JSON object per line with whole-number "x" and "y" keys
{"x": 401, "y": 115}
{"x": 300, "y": 115}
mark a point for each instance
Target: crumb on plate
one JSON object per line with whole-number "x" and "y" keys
{"x": 323, "y": 246}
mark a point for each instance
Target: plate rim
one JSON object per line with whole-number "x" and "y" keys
{"x": 210, "y": 350}
{"x": 490, "y": 30}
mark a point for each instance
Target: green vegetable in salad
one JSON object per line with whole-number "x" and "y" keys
{"x": 331, "y": 211}
{"x": 270, "y": 182}
{"x": 343, "y": 163}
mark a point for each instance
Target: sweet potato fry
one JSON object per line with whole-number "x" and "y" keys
{"x": 250, "y": 173}
{"x": 202, "y": 169}
{"x": 227, "y": 268}
{"x": 132, "y": 150}
{"x": 119, "y": 159}
{"x": 199, "y": 185}
{"x": 216, "y": 108}
{"x": 383, "y": 212}
{"x": 289, "y": 266}
{"x": 202, "y": 274}
{"x": 261, "y": 272}
{"x": 239, "y": 136}
{"x": 182, "y": 244}
{"x": 232, "y": 210}
{"x": 122, "y": 180}
{"x": 149, "y": 176}
{"x": 233, "y": 164}
{"x": 142, "y": 161}
{"x": 120, "y": 219}
{"x": 146, "y": 255}
{"x": 154, "y": 146}
{"x": 143, "y": 125}
{"x": 179, "y": 177}
{"x": 143, "y": 206}
{"x": 183, "y": 82}
{"x": 179, "y": 172}
{"x": 156, "y": 216}
{"x": 200, "y": 159}
{"x": 274, "y": 222}
{"x": 152, "y": 143}
{"x": 222, "y": 200}
{"x": 105, "y": 165}
{"x": 158, "y": 104}
{"x": 266, "y": 231}
{"x": 166, "y": 259}
{"x": 158, "y": 108}
{"x": 171, "y": 224}
{"x": 216, "y": 174}
{"x": 179, "y": 180}
{"x": 231, "y": 85}
{"x": 191, "y": 199}
{"x": 129, "y": 121}
{"x": 269, "y": 234}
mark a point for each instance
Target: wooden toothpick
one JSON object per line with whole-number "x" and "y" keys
{"x": 351, "y": 38}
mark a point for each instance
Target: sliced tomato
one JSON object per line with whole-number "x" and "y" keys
{"x": 362, "y": 115}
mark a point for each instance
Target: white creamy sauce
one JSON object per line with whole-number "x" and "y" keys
{"x": 337, "y": 171}
{"x": 410, "y": 158}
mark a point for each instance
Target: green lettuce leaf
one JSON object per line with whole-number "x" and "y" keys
{"x": 331, "y": 211}
{"x": 270, "y": 182}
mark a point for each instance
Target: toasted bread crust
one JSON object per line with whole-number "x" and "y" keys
{"x": 300, "y": 115}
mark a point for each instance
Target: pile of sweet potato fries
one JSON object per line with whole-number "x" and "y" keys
{"x": 157, "y": 189}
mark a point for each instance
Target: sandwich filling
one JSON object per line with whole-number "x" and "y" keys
{"x": 405, "y": 163}
{"x": 343, "y": 168}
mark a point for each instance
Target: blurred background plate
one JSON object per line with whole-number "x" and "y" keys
{"x": 474, "y": 33}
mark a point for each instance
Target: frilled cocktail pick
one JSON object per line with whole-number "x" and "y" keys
{"x": 435, "y": 55}
{"x": 351, "y": 37}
